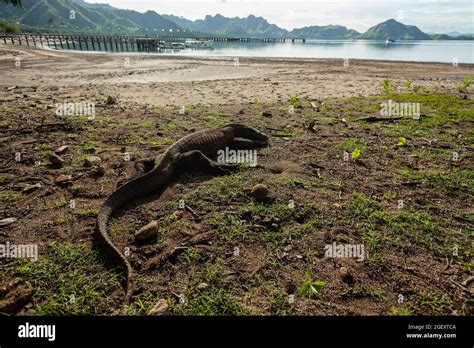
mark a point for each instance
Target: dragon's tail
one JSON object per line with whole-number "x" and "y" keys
{"x": 127, "y": 193}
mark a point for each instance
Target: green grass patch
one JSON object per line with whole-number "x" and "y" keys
{"x": 228, "y": 226}
{"x": 451, "y": 181}
{"x": 90, "y": 212}
{"x": 70, "y": 280}
{"x": 165, "y": 141}
{"x": 214, "y": 300}
{"x": 145, "y": 125}
{"x": 9, "y": 196}
{"x": 352, "y": 144}
{"x": 400, "y": 229}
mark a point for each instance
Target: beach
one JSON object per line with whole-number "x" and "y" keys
{"x": 156, "y": 80}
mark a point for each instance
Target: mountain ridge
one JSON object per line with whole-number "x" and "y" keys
{"x": 54, "y": 16}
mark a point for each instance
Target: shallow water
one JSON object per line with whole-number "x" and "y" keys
{"x": 421, "y": 51}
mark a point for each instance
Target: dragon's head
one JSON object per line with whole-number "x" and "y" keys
{"x": 247, "y": 132}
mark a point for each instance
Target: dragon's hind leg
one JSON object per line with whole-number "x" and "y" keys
{"x": 197, "y": 161}
{"x": 140, "y": 167}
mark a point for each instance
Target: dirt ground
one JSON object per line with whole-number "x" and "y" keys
{"x": 336, "y": 173}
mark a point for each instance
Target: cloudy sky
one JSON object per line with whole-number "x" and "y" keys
{"x": 439, "y": 16}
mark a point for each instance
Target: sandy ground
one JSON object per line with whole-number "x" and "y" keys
{"x": 303, "y": 163}
{"x": 167, "y": 81}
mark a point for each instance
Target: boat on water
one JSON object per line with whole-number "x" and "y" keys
{"x": 389, "y": 41}
{"x": 178, "y": 45}
{"x": 199, "y": 43}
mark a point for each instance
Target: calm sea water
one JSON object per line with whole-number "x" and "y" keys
{"x": 421, "y": 51}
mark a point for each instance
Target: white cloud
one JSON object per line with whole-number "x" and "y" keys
{"x": 428, "y": 15}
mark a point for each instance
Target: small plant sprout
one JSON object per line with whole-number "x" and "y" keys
{"x": 408, "y": 84}
{"x": 295, "y": 101}
{"x": 402, "y": 141}
{"x": 355, "y": 154}
{"x": 465, "y": 84}
{"x": 401, "y": 311}
{"x": 310, "y": 287}
{"x": 388, "y": 86}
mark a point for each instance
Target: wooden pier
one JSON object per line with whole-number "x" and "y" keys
{"x": 117, "y": 43}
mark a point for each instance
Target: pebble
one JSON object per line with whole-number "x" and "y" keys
{"x": 202, "y": 285}
{"x": 31, "y": 188}
{"x": 267, "y": 114}
{"x": 63, "y": 179}
{"x": 148, "y": 231}
{"x": 8, "y": 221}
{"x": 55, "y": 160}
{"x": 260, "y": 191}
{"x": 345, "y": 275}
{"x": 111, "y": 99}
{"x": 92, "y": 161}
{"x": 61, "y": 150}
{"x": 160, "y": 308}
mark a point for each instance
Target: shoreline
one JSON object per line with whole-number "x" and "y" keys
{"x": 231, "y": 57}
{"x": 158, "y": 80}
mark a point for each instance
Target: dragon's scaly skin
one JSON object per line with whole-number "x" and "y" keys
{"x": 191, "y": 153}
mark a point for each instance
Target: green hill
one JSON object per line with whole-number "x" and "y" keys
{"x": 394, "y": 30}
{"x": 56, "y": 15}
{"x": 250, "y": 26}
{"x": 325, "y": 32}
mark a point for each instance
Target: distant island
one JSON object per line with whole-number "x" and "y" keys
{"x": 56, "y": 16}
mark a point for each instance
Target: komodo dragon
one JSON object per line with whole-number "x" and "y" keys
{"x": 194, "y": 152}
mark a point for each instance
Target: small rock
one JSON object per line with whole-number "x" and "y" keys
{"x": 92, "y": 161}
{"x": 345, "y": 275}
{"x": 202, "y": 285}
{"x": 31, "y": 188}
{"x": 160, "y": 308}
{"x": 241, "y": 112}
{"x": 63, "y": 179}
{"x": 288, "y": 248}
{"x": 55, "y": 160}
{"x": 267, "y": 114}
{"x": 259, "y": 192}
{"x": 99, "y": 170}
{"x": 246, "y": 215}
{"x": 61, "y": 150}
{"x": 148, "y": 231}
{"x": 177, "y": 215}
{"x": 111, "y": 99}
{"x": 8, "y": 221}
